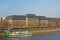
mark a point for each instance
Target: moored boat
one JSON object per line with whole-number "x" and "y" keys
{"x": 20, "y": 34}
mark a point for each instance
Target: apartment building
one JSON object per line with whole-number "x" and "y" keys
{"x": 31, "y": 20}
{"x": 22, "y": 21}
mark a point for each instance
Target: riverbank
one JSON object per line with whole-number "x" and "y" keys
{"x": 36, "y": 32}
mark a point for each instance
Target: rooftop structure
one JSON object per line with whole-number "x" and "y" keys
{"x": 23, "y": 17}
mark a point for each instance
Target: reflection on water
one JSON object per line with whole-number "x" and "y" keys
{"x": 52, "y": 36}
{"x": 20, "y": 38}
{"x": 6, "y": 38}
{"x": 16, "y": 38}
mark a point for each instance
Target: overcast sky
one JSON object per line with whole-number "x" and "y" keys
{"x": 50, "y": 8}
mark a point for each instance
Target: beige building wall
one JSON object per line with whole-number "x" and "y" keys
{"x": 43, "y": 23}
{"x": 52, "y": 23}
{"x": 33, "y": 22}
{"x": 18, "y": 23}
{"x": 58, "y": 23}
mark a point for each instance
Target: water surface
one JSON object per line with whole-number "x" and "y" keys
{"x": 51, "y": 36}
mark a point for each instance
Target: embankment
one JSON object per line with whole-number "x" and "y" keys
{"x": 36, "y": 32}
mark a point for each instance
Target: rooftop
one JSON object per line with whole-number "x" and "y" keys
{"x": 23, "y": 17}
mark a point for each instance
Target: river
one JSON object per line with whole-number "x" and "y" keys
{"x": 50, "y": 36}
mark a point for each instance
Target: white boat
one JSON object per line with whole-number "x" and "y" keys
{"x": 20, "y": 34}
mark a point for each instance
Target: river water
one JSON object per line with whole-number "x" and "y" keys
{"x": 49, "y": 36}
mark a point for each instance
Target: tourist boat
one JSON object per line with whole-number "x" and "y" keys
{"x": 20, "y": 34}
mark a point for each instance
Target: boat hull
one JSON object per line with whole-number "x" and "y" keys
{"x": 20, "y": 34}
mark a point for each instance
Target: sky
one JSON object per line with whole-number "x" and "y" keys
{"x": 49, "y": 8}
